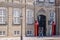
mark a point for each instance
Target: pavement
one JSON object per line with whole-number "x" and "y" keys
{"x": 41, "y": 38}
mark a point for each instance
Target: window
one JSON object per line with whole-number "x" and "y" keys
{"x": 51, "y": 1}
{"x": 40, "y": 0}
{"x": 2, "y": 16}
{"x": 29, "y": 33}
{"x": 51, "y": 14}
{"x": 16, "y": 32}
{"x": 52, "y": 17}
{"x": 29, "y": 16}
{"x": 2, "y": 33}
{"x": 16, "y": 16}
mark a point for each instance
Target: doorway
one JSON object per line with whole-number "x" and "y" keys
{"x": 42, "y": 25}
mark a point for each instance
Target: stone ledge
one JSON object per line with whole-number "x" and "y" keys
{"x": 11, "y": 38}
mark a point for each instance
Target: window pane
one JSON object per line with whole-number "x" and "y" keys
{"x": 30, "y": 20}
{"x": 52, "y": 17}
{"x": 52, "y": 14}
{"x": 4, "y": 13}
{"x": 16, "y": 20}
{"x": 16, "y": 12}
{"x": 29, "y": 33}
{"x": 2, "y": 20}
{"x": 0, "y": 12}
{"x": 17, "y": 32}
{"x": 3, "y": 32}
{"x": 0, "y": 32}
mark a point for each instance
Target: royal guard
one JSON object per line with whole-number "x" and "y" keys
{"x": 53, "y": 28}
{"x": 36, "y": 24}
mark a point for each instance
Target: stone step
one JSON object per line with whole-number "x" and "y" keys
{"x": 41, "y": 38}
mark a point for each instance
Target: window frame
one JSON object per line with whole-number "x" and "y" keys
{"x": 28, "y": 17}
